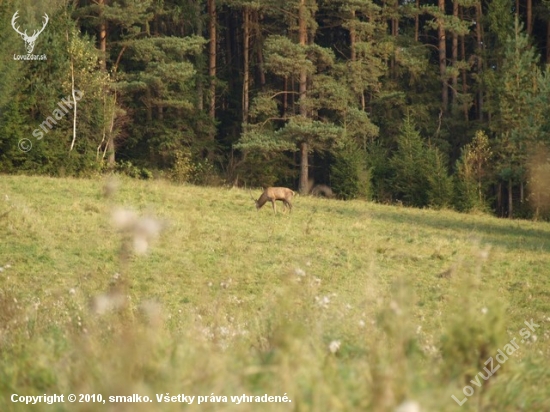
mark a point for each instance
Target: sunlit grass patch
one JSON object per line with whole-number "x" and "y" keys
{"x": 343, "y": 306}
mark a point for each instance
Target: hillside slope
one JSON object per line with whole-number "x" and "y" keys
{"x": 342, "y": 306}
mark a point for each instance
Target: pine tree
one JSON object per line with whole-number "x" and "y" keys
{"x": 521, "y": 107}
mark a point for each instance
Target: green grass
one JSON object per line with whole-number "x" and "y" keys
{"x": 232, "y": 301}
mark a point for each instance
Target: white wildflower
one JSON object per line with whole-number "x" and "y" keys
{"x": 140, "y": 245}
{"x": 334, "y": 346}
{"x": 394, "y": 306}
{"x": 151, "y": 309}
{"x": 484, "y": 254}
{"x": 323, "y": 301}
{"x": 104, "y": 303}
{"x": 123, "y": 219}
{"x": 408, "y": 406}
{"x": 148, "y": 227}
{"x": 299, "y": 272}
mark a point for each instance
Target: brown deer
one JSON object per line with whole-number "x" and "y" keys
{"x": 272, "y": 194}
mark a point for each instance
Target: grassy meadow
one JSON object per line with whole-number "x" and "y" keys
{"x": 146, "y": 287}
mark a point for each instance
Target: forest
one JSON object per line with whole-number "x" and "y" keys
{"x": 439, "y": 104}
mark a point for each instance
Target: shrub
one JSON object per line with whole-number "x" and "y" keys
{"x": 349, "y": 177}
{"x": 420, "y": 173}
{"x": 131, "y": 170}
{"x": 472, "y": 174}
{"x": 183, "y": 168}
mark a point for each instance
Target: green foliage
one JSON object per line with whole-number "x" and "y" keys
{"x": 183, "y": 168}
{"x": 41, "y": 86}
{"x": 187, "y": 168}
{"x": 500, "y": 18}
{"x": 440, "y": 184}
{"x": 473, "y": 174}
{"x": 254, "y": 138}
{"x": 409, "y": 165}
{"x": 380, "y": 171}
{"x": 361, "y": 67}
{"x": 474, "y": 326}
{"x": 286, "y": 58}
{"x": 316, "y": 133}
{"x": 204, "y": 173}
{"x": 348, "y": 176}
{"x": 420, "y": 176}
{"x": 131, "y": 170}
{"x": 538, "y": 177}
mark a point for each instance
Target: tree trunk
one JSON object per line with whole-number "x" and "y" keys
{"x": 521, "y": 192}
{"x": 529, "y": 17}
{"x": 353, "y": 53}
{"x": 510, "y": 199}
{"x": 102, "y": 38}
{"x": 212, "y": 57}
{"x": 454, "y": 81}
{"x": 226, "y": 57}
{"x": 74, "y": 99}
{"x": 352, "y": 37}
{"x": 479, "y": 50}
{"x": 103, "y": 67}
{"x": 285, "y": 97}
{"x": 304, "y": 149}
{"x": 200, "y": 59}
{"x": 443, "y": 57}
{"x": 259, "y": 46}
{"x": 394, "y": 30}
{"x": 463, "y": 70}
{"x": 500, "y": 208}
{"x": 149, "y": 107}
{"x": 417, "y": 20}
{"x": 246, "y": 69}
{"x": 304, "y": 169}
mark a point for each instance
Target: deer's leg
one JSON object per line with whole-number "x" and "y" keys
{"x": 274, "y": 207}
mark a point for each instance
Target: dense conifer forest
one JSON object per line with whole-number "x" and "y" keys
{"x": 422, "y": 103}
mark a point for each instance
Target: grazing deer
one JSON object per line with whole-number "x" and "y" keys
{"x": 275, "y": 193}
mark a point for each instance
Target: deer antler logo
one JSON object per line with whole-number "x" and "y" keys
{"x": 29, "y": 40}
